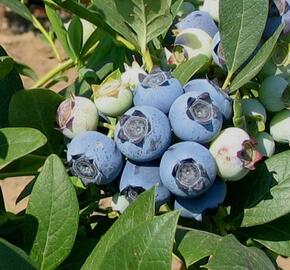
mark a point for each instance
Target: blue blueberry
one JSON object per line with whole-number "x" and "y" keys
{"x": 94, "y": 158}
{"x": 138, "y": 177}
{"x": 194, "y": 117}
{"x": 157, "y": 89}
{"x": 197, "y": 207}
{"x": 143, "y": 133}
{"x": 220, "y": 97}
{"x": 187, "y": 169}
{"x": 200, "y": 20}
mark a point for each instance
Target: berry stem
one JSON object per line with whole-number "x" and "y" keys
{"x": 39, "y": 26}
{"x": 60, "y": 68}
{"x": 147, "y": 59}
{"x": 227, "y": 81}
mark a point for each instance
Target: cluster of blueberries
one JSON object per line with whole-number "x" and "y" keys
{"x": 164, "y": 112}
{"x": 170, "y": 135}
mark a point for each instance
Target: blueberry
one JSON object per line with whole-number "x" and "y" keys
{"x": 187, "y": 169}
{"x": 254, "y": 112}
{"x": 196, "y": 208}
{"x": 94, "y": 158}
{"x": 190, "y": 43}
{"x": 75, "y": 115}
{"x": 137, "y": 177}
{"x": 199, "y": 20}
{"x": 265, "y": 144}
{"x": 158, "y": 89}
{"x": 212, "y": 7}
{"x": 185, "y": 9}
{"x": 143, "y": 133}
{"x": 274, "y": 93}
{"x": 234, "y": 153}
{"x": 194, "y": 117}
{"x": 220, "y": 97}
{"x": 112, "y": 98}
{"x": 279, "y": 127}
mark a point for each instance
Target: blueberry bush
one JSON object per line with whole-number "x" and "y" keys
{"x": 172, "y": 142}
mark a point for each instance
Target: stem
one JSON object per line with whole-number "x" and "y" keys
{"x": 227, "y": 81}
{"x": 39, "y": 26}
{"x": 110, "y": 127}
{"x": 147, "y": 59}
{"x": 111, "y": 133}
{"x": 64, "y": 66}
{"x": 105, "y": 125}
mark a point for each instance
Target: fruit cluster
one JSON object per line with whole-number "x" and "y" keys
{"x": 177, "y": 137}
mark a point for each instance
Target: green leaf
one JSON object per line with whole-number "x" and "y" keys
{"x": 230, "y": 254}
{"x": 257, "y": 62}
{"x": 52, "y": 211}
{"x": 9, "y": 85}
{"x": 6, "y": 65}
{"x": 86, "y": 13}
{"x": 186, "y": 70}
{"x": 26, "y": 191}
{"x": 197, "y": 245}
{"x": 75, "y": 36}
{"x": 242, "y": 23}
{"x": 18, "y": 142}
{"x": 175, "y": 7}
{"x": 27, "y": 165}
{"x": 12, "y": 257}
{"x": 260, "y": 197}
{"x": 147, "y": 246}
{"x": 81, "y": 250}
{"x": 26, "y": 71}
{"x": 140, "y": 211}
{"x": 139, "y": 21}
{"x": 37, "y": 108}
{"x": 58, "y": 27}
{"x": 17, "y": 7}
{"x": 274, "y": 235}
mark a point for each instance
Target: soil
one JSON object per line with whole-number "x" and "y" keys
{"x": 28, "y": 48}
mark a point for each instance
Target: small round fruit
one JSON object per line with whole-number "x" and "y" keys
{"x": 252, "y": 108}
{"x": 196, "y": 208}
{"x": 187, "y": 169}
{"x": 190, "y": 43}
{"x": 212, "y": 7}
{"x": 158, "y": 89}
{"x": 265, "y": 144}
{"x": 234, "y": 153}
{"x": 94, "y": 158}
{"x": 112, "y": 98}
{"x": 280, "y": 127}
{"x": 76, "y": 115}
{"x": 274, "y": 93}
{"x": 143, "y": 133}
{"x": 194, "y": 117}
{"x": 199, "y": 20}
{"x": 185, "y": 9}
{"x": 220, "y": 97}
{"x": 138, "y": 177}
